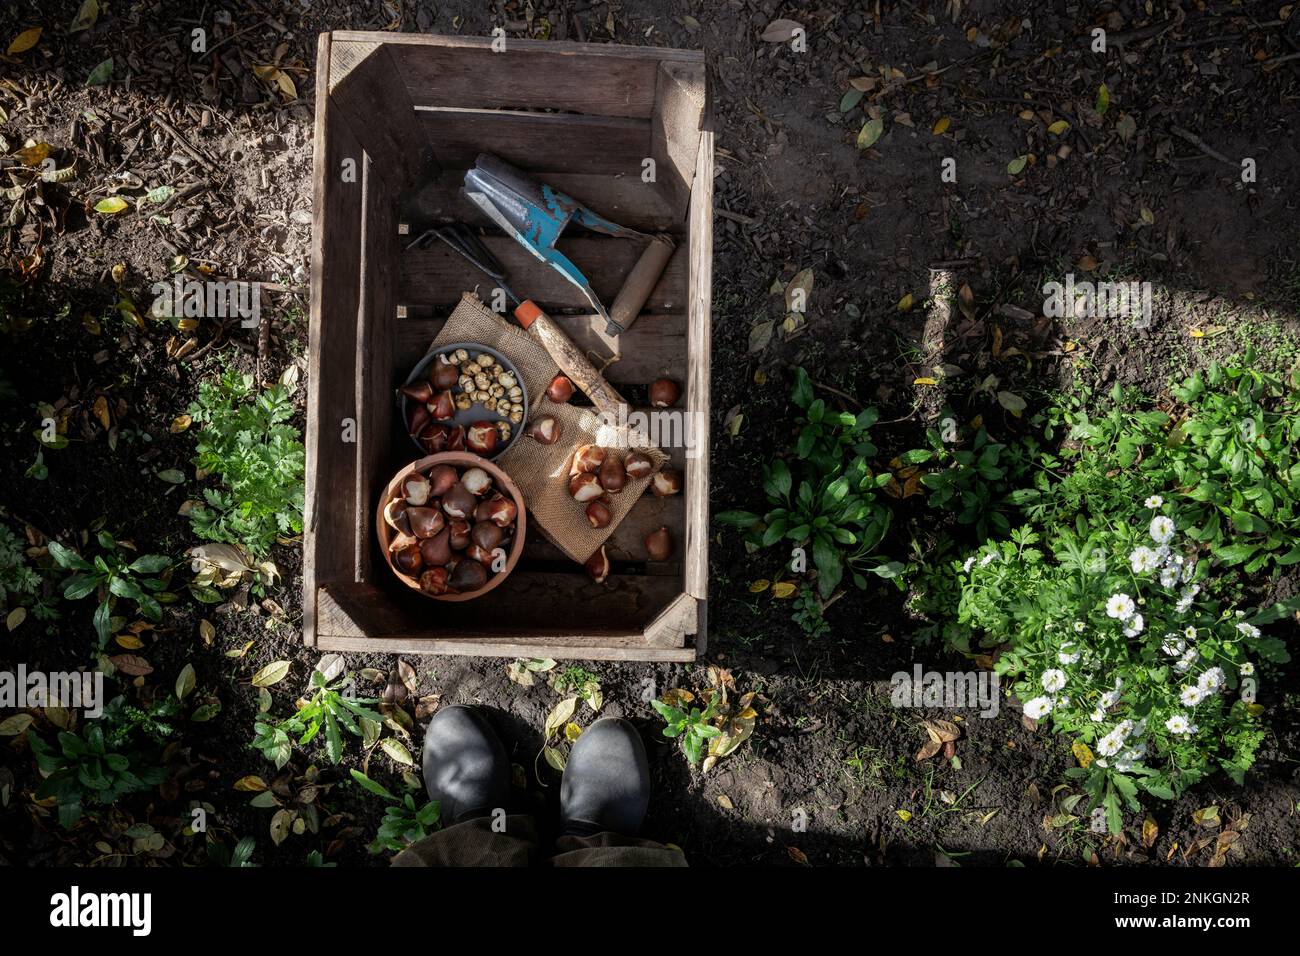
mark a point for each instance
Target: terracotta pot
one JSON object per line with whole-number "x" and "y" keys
{"x": 461, "y": 460}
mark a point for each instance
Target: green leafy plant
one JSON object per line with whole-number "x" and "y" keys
{"x": 1117, "y": 638}
{"x": 973, "y": 482}
{"x": 580, "y": 682}
{"x": 691, "y": 726}
{"x": 241, "y": 857}
{"x": 1223, "y": 450}
{"x": 114, "y": 574}
{"x": 21, "y": 584}
{"x": 828, "y": 499}
{"x": 94, "y": 767}
{"x": 404, "y": 821}
{"x": 247, "y": 443}
{"x": 328, "y": 709}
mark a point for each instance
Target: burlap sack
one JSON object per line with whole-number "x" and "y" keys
{"x": 542, "y": 471}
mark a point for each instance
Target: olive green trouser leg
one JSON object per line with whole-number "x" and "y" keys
{"x": 473, "y": 843}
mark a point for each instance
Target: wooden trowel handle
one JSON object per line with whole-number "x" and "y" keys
{"x": 572, "y": 362}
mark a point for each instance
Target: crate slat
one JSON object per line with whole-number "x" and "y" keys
{"x": 329, "y": 548}
{"x": 653, "y": 348}
{"x": 621, "y": 199}
{"x": 698, "y": 343}
{"x": 437, "y": 276}
{"x": 542, "y": 143}
{"x": 600, "y": 79}
{"x": 376, "y": 318}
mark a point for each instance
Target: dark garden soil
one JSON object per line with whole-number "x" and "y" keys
{"x": 830, "y": 775}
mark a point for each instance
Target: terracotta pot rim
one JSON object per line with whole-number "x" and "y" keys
{"x": 462, "y": 460}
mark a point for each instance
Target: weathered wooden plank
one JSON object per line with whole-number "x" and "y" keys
{"x": 541, "y": 143}
{"x": 527, "y": 603}
{"x": 376, "y": 318}
{"x": 653, "y": 348}
{"x": 698, "y": 344}
{"x": 675, "y": 129}
{"x": 600, "y": 79}
{"x": 437, "y": 276}
{"x": 394, "y": 139}
{"x": 329, "y": 548}
{"x": 625, "y": 200}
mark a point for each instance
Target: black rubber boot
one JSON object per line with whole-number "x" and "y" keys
{"x": 465, "y": 764}
{"x": 606, "y": 785}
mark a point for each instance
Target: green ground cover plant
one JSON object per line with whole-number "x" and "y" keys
{"x": 247, "y": 443}
{"x": 328, "y": 709}
{"x": 115, "y": 574}
{"x": 827, "y": 498}
{"x": 96, "y": 765}
{"x": 404, "y": 820}
{"x": 1117, "y": 607}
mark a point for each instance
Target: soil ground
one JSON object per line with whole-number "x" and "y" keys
{"x": 831, "y": 764}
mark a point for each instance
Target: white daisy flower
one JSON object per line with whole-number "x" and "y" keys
{"x": 1097, "y": 821}
{"x": 1155, "y": 501}
{"x": 1111, "y": 744}
{"x": 1168, "y": 577}
{"x": 1139, "y": 730}
{"x": 1067, "y": 656}
{"x": 1097, "y": 716}
{"x": 1037, "y": 707}
{"x": 1108, "y": 700}
{"x": 1246, "y": 669}
{"x": 1130, "y": 758}
{"x": 1079, "y": 627}
{"x": 1189, "y": 632}
{"x": 1249, "y": 630}
{"x": 1053, "y": 680}
{"x": 1211, "y": 681}
{"x": 1133, "y": 627}
{"x": 1120, "y": 607}
{"x": 1173, "y": 645}
{"x": 1191, "y": 696}
{"x": 1177, "y": 724}
{"x": 1162, "y": 529}
{"x": 988, "y": 559}
{"x": 968, "y": 564}
{"x": 1143, "y": 559}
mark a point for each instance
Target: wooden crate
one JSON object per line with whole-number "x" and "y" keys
{"x": 407, "y": 114}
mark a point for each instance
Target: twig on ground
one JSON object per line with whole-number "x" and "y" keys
{"x": 181, "y": 141}
{"x": 1200, "y": 144}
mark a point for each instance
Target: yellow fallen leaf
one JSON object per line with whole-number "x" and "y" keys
{"x": 925, "y": 380}
{"x": 180, "y": 423}
{"x": 111, "y": 206}
{"x": 101, "y": 412}
{"x": 207, "y": 632}
{"x": 572, "y": 731}
{"x": 1148, "y": 216}
{"x": 250, "y": 784}
{"x": 33, "y": 155}
{"x": 941, "y": 126}
{"x": 129, "y": 641}
{"x": 759, "y": 586}
{"x": 904, "y": 815}
{"x": 1149, "y": 832}
{"x": 1059, "y": 127}
{"x": 15, "y": 617}
{"x": 1082, "y": 753}
{"x": 25, "y": 41}
{"x": 905, "y": 303}
{"x": 784, "y": 589}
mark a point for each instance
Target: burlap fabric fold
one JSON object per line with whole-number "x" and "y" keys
{"x": 542, "y": 471}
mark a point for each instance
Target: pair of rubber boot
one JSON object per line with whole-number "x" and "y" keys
{"x": 606, "y": 784}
